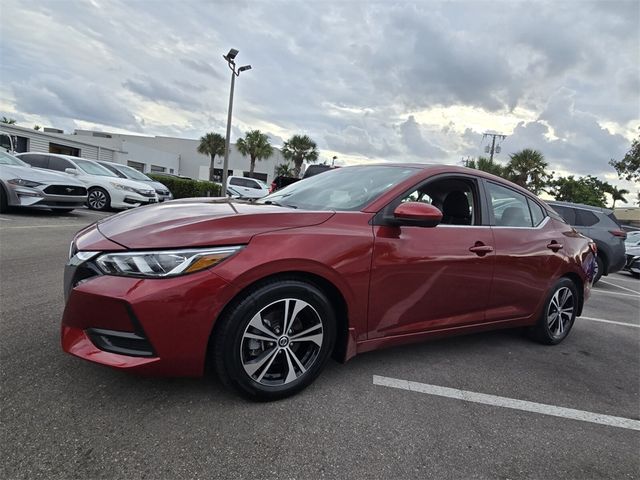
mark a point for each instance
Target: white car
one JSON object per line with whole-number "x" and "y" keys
{"x": 105, "y": 189}
{"x": 243, "y": 187}
{"x": 124, "y": 171}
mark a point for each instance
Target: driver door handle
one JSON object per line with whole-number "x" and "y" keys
{"x": 555, "y": 246}
{"x": 481, "y": 249}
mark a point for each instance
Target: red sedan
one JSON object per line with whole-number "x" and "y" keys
{"x": 352, "y": 260}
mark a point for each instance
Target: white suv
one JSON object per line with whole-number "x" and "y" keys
{"x": 244, "y": 187}
{"x": 105, "y": 189}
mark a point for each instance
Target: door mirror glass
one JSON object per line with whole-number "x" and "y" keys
{"x": 71, "y": 171}
{"x": 416, "y": 214}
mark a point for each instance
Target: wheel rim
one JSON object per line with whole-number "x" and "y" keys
{"x": 560, "y": 311}
{"x": 281, "y": 342}
{"x": 596, "y": 270}
{"x": 97, "y": 199}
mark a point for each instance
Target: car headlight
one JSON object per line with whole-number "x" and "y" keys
{"x": 119, "y": 186}
{"x": 23, "y": 183}
{"x": 164, "y": 263}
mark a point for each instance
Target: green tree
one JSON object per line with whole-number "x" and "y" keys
{"x": 629, "y": 167}
{"x": 588, "y": 190}
{"x": 617, "y": 194}
{"x": 284, "y": 169}
{"x": 528, "y": 169}
{"x": 256, "y": 145}
{"x": 36, "y": 127}
{"x": 487, "y": 165}
{"x": 10, "y": 121}
{"x": 211, "y": 144}
{"x": 299, "y": 149}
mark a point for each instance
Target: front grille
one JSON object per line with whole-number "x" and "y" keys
{"x": 65, "y": 190}
{"x": 147, "y": 194}
{"x": 124, "y": 343}
{"x": 162, "y": 192}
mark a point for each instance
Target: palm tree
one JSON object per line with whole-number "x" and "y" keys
{"x": 299, "y": 149}
{"x": 10, "y": 121}
{"x": 256, "y": 145}
{"x": 487, "y": 165}
{"x": 528, "y": 169}
{"x": 284, "y": 169}
{"x": 617, "y": 194}
{"x": 211, "y": 144}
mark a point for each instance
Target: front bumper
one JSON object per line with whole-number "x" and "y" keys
{"x": 19, "y": 196}
{"x": 121, "y": 199}
{"x": 149, "y": 326}
{"x": 632, "y": 264}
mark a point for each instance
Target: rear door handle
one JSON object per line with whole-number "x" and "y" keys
{"x": 555, "y": 246}
{"x": 481, "y": 249}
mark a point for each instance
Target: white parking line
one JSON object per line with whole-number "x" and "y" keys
{"x": 78, "y": 225}
{"x": 595, "y": 290}
{"x": 619, "y": 278}
{"x": 6, "y": 219}
{"x": 602, "y": 320}
{"x": 619, "y": 286}
{"x": 505, "y": 402}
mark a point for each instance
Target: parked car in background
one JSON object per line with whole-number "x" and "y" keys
{"x": 346, "y": 262}
{"x": 603, "y": 227}
{"x": 281, "y": 181}
{"x": 316, "y": 169}
{"x": 632, "y": 246}
{"x": 124, "y": 171}
{"x": 244, "y": 187}
{"x": 105, "y": 189}
{"x": 24, "y": 186}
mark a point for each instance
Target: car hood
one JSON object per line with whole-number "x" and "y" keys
{"x": 202, "y": 222}
{"x": 8, "y": 172}
{"x": 156, "y": 185}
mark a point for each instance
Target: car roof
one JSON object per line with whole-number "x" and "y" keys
{"x": 606, "y": 211}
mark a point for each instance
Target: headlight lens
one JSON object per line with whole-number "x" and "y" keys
{"x": 166, "y": 263}
{"x": 119, "y": 186}
{"x": 23, "y": 183}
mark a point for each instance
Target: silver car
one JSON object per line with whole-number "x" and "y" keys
{"x": 24, "y": 186}
{"x": 125, "y": 171}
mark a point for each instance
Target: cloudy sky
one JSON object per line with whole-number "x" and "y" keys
{"x": 368, "y": 80}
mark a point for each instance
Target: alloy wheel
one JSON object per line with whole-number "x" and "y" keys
{"x": 281, "y": 342}
{"x": 560, "y": 311}
{"x": 97, "y": 199}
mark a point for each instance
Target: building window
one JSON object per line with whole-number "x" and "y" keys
{"x": 64, "y": 150}
{"x": 137, "y": 165}
{"x": 157, "y": 169}
{"x": 171, "y": 170}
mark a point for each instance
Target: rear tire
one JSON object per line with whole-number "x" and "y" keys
{"x": 98, "y": 199}
{"x": 4, "y": 203}
{"x": 265, "y": 354}
{"x": 558, "y": 315}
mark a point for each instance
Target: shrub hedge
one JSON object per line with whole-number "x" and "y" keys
{"x": 185, "y": 188}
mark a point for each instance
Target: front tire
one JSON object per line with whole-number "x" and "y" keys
{"x": 98, "y": 199}
{"x": 599, "y": 269}
{"x": 276, "y": 340}
{"x": 4, "y": 202}
{"x": 558, "y": 315}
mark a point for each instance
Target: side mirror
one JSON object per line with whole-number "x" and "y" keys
{"x": 416, "y": 214}
{"x": 71, "y": 171}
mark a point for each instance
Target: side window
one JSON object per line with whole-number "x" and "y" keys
{"x": 252, "y": 184}
{"x": 455, "y": 197}
{"x": 510, "y": 208}
{"x": 235, "y": 181}
{"x": 39, "y": 161}
{"x": 569, "y": 214}
{"x": 537, "y": 214}
{"x": 59, "y": 164}
{"x": 585, "y": 218}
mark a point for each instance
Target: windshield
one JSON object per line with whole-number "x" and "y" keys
{"x": 93, "y": 168}
{"x": 6, "y": 159}
{"x": 349, "y": 188}
{"x": 132, "y": 173}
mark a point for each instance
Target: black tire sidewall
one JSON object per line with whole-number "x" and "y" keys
{"x": 600, "y": 269}
{"x": 542, "y": 328}
{"x": 230, "y": 337}
{"x": 107, "y": 205}
{"x": 4, "y": 200}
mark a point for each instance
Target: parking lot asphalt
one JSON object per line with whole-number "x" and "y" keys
{"x": 65, "y": 418}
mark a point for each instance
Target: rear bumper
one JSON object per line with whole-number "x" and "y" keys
{"x": 148, "y": 326}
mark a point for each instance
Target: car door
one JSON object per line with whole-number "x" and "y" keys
{"x": 253, "y": 188}
{"x": 528, "y": 252}
{"x": 432, "y": 278}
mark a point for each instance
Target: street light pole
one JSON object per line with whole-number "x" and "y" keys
{"x": 230, "y": 58}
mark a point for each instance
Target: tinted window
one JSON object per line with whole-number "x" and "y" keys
{"x": 569, "y": 214}
{"x": 236, "y": 181}
{"x": 252, "y": 184}
{"x": 113, "y": 170}
{"x": 510, "y": 208}
{"x": 585, "y": 218}
{"x": 40, "y": 161}
{"x": 537, "y": 214}
{"x": 59, "y": 164}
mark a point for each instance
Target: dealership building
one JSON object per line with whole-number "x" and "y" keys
{"x": 173, "y": 155}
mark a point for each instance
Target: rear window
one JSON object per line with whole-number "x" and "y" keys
{"x": 585, "y": 218}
